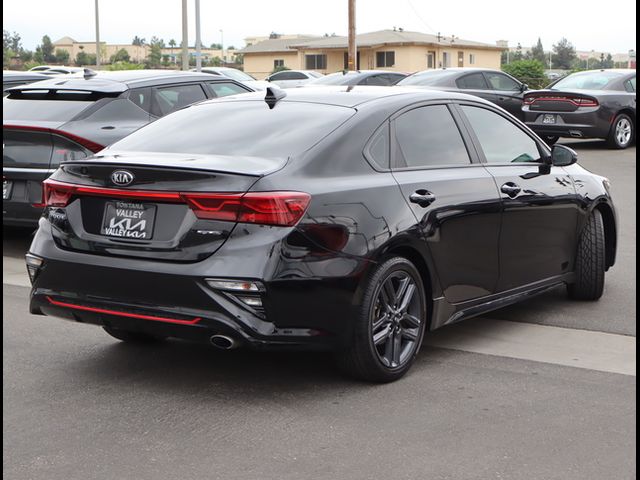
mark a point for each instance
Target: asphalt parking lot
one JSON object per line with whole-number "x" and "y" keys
{"x": 540, "y": 390}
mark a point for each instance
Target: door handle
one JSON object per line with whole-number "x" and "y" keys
{"x": 424, "y": 198}
{"x": 511, "y": 189}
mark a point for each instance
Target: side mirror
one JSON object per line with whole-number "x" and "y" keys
{"x": 524, "y": 87}
{"x": 563, "y": 156}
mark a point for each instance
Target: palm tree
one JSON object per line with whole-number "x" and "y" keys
{"x": 172, "y": 44}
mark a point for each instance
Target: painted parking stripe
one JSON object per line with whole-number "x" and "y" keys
{"x": 605, "y": 352}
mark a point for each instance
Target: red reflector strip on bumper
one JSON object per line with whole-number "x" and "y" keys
{"x": 122, "y": 314}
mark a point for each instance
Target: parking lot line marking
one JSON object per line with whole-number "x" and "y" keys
{"x": 606, "y": 352}
{"x": 590, "y": 350}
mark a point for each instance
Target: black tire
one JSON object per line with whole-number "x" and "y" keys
{"x": 132, "y": 337}
{"x": 550, "y": 140}
{"x": 590, "y": 261}
{"x": 399, "y": 336}
{"x": 623, "y": 132}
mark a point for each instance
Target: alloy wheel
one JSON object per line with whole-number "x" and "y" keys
{"x": 396, "y": 319}
{"x": 623, "y": 131}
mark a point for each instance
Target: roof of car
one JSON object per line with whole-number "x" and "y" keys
{"x": 14, "y": 75}
{"x": 351, "y": 96}
{"x": 114, "y": 82}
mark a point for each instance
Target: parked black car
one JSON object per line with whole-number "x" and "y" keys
{"x": 492, "y": 85}
{"x": 353, "y": 219}
{"x": 69, "y": 118}
{"x": 12, "y": 78}
{"x": 381, "y": 78}
{"x": 591, "y": 104}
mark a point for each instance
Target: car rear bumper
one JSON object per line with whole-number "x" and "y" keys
{"x": 173, "y": 299}
{"x": 592, "y": 124}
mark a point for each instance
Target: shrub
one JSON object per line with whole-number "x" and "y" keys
{"x": 530, "y": 72}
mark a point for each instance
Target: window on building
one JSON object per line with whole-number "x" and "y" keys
{"x": 278, "y": 63}
{"x": 315, "y": 62}
{"x": 385, "y": 59}
{"x": 428, "y": 136}
{"x": 460, "y": 59}
{"x": 431, "y": 60}
{"x": 472, "y": 59}
{"x": 446, "y": 59}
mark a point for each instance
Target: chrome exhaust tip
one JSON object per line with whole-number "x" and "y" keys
{"x": 223, "y": 342}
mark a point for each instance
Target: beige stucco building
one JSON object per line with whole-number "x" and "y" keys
{"x": 394, "y": 50}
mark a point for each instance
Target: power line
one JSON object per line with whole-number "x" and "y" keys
{"x": 420, "y": 17}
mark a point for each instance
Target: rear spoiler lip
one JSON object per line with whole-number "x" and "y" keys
{"x": 88, "y": 144}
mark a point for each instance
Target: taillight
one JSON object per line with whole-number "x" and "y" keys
{"x": 528, "y": 100}
{"x": 578, "y": 101}
{"x": 586, "y": 102}
{"x": 264, "y": 208}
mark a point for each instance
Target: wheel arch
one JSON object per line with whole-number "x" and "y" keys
{"x": 610, "y": 233}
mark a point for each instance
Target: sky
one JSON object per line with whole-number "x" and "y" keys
{"x": 588, "y": 24}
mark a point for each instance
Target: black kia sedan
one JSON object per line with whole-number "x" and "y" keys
{"x": 68, "y": 118}
{"x": 354, "y": 219}
{"x": 591, "y": 104}
{"x": 492, "y": 85}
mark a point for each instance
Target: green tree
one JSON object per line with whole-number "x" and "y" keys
{"x": 279, "y": 68}
{"x": 564, "y": 54}
{"x": 62, "y": 56}
{"x": 216, "y": 46}
{"x": 608, "y": 62}
{"x": 83, "y": 58}
{"x": 537, "y": 53}
{"x": 530, "y": 72}
{"x": 47, "y": 50}
{"x": 154, "y": 60}
{"x": 120, "y": 56}
{"x": 517, "y": 55}
{"x": 138, "y": 41}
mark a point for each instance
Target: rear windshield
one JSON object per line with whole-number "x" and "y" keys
{"x": 239, "y": 128}
{"x": 587, "y": 81}
{"x": 434, "y": 77}
{"x": 36, "y": 106}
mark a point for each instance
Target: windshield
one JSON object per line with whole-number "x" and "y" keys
{"x": 248, "y": 128}
{"x": 338, "y": 78}
{"x": 432, "y": 77}
{"x": 587, "y": 81}
{"x": 237, "y": 75}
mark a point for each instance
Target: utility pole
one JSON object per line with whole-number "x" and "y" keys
{"x": 352, "y": 54}
{"x": 185, "y": 37}
{"x": 198, "y": 42}
{"x": 97, "y": 36}
{"x": 222, "y": 47}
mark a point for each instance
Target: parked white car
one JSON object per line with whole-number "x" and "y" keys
{"x": 292, "y": 78}
{"x": 237, "y": 75}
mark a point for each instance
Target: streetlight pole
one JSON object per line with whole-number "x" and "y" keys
{"x": 198, "y": 41}
{"x": 222, "y": 46}
{"x": 185, "y": 37}
{"x": 352, "y": 54}
{"x": 97, "y": 36}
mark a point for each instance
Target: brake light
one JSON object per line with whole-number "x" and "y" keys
{"x": 264, "y": 208}
{"x": 578, "y": 101}
{"x": 88, "y": 144}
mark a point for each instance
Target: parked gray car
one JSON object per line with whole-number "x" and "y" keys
{"x": 57, "y": 120}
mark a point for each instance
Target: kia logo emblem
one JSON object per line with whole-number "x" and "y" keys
{"x": 122, "y": 178}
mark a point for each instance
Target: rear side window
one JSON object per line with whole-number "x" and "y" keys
{"x": 428, "y": 136}
{"x": 26, "y": 149}
{"x": 501, "y": 140}
{"x": 247, "y": 128}
{"x": 42, "y": 107}
{"x": 141, "y": 97}
{"x": 223, "y": 89}
{"x": 630, "y": 85}
{"x": 170, "y": 99}
{"x": 474, "y": 81}
{"x": 378, "y": 149}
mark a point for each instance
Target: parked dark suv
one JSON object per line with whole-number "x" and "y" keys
{"x": 69, "y": 118}
{"x": 346, "y": 218}
{"x": 492, "y": 85}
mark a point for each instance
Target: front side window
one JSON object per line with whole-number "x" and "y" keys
{"x": 316, "y": 62}
{"x": 385, "y": 59}
{"x": 501, "y": 140}
{"x": 170, "y": 99}
{"x": 428, "y": 136}
{"x": 498, "y": 81}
